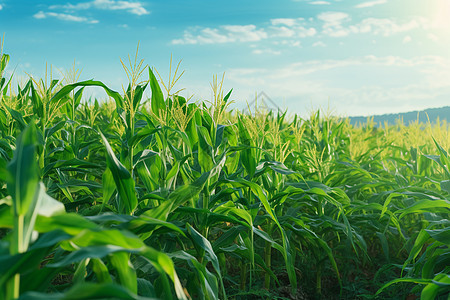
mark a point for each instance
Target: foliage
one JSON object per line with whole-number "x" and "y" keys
{"x": 137, "y": 198}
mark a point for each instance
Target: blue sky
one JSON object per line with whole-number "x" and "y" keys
{"x": 354, "y": 57}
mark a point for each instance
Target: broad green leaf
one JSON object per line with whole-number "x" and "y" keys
{"x": 445, "y": 185}
{"x": 18, "y": 117}
{"x": 70, "y": 87}
{"x": 157, "y": 103}
{"x": 52, "y": 130}
{"x": 202, "y": 243}
{"x": 418, "y": 244}
{"x": 441, "y": 235}
{"x": 205, "y": 151}
{"x": 127, "y": 274}
{"x": 426, "y": 206}
{"x": 178, "y": 197}
{"x": 440, "y": 283}
{"x": 410, "y": 280}
{"x": 247, "y": 155}
{"x": 91, "y": 291}
{"x": 23, "y": 185}
{"x": 100, "y": 270}
{"x": 124, "y": 183}
{"x": 163, "y": 263}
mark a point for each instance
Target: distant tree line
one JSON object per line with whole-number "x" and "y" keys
{"x": 431, "y": 114}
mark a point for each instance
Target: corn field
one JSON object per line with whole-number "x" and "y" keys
{"x": 164, "y": 198}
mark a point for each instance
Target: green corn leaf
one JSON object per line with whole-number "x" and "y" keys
{"x": 210, "y": 286}
{"x": 108, "y": 186}
{"x": 70, "y": 87}
{"x": 127, "y": 274}
{"x": 163, "y": 263}
{"x": 19, "y": 263}
{"x": 138, "y": 93}
{"x": 421, "y": 239}
{"x": 441, "y": 235}
{"x": 229, "y": 208}
{"x": 440, "y": 283}
{"x": 178, "y": 197}
{"x": 410, "y": 280}
{"x": 100, "y": 270}
{"x": 124, "y": 183}
{"x": 86, "y": 253}
{"x": 202, "y": 243}
{"x": 52, "y": 130}
{"x": 79, "y": 275}
{"x": 86, "y": 290}
{"x": 445, "y": 185}
{"x": 425, "y": 206}
{"x": 205, "y": 151}
{"x": 18, "y": 117}
{"x": 3, "y": 63}
{"x": 247, "y": 155}
{"x": 258, "y": 191}
{"x": 24, "y": 188}
{"x": 157, "y": 103}
{"x": 77, "y": 98}
{"x": 70, "y": 223}
{"x": 145, "y": 288}
{"x": 144, "y": 226}
{"x": 208, "y": 282}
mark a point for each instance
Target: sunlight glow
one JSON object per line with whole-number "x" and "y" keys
{"x": 441, "y": 18}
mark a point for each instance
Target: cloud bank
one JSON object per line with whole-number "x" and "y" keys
{"x": 136, "y": 8}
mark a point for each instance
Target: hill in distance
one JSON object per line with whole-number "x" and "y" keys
{"x": 431, "y": 114}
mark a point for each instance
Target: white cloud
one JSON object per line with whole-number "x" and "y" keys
{"x": 407, "y": 39}
{"x": 288, "y": 42}
{"x": 283, "y": 31}
{"x": 1, "y": 7}
{"x": 285, "y": 21}
{"x": 433, "y": 37}
{"x": 40, "y": 15}
{"x": 223, "y": 34}
{"x": 266, "y": 51}
{"x": 388, "y": 27}
{"x": 64, "y": 17}
{"x": 286, "y": 27}
{"x": 332, "y": 18}
{"x": 380, "y": 85}
{"x": 319, "y": 3}
{"x": 370, "y": 3}
{"x": 333, "y": 23}
{"x": 298, "y": 31}
{"x": 245, "y": 33}
{"x": 319, "y": 44}
{"x": 136, "y": 8}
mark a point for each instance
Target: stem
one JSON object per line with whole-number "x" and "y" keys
{"x": 268, "y": 261}
{"x": 319, "y": 280}
{"x": 131, "y": 126}
{"x": 268, "y": 256}
{"x": 205, "y": 200}
{"x": 13, "y": 287}
{"x": 243, "y": 275}
{"x": 16, "y": 247}
{"x": 252, "y": 258}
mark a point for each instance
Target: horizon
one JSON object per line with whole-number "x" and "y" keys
{"x": 358, "y": 58}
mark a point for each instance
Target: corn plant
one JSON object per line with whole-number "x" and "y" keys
{"x": 169, "y": 197}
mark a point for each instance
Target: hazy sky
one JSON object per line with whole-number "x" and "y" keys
{"x": 356, "y": 57}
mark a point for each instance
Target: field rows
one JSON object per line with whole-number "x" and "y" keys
{"x": 164, "y": 198}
